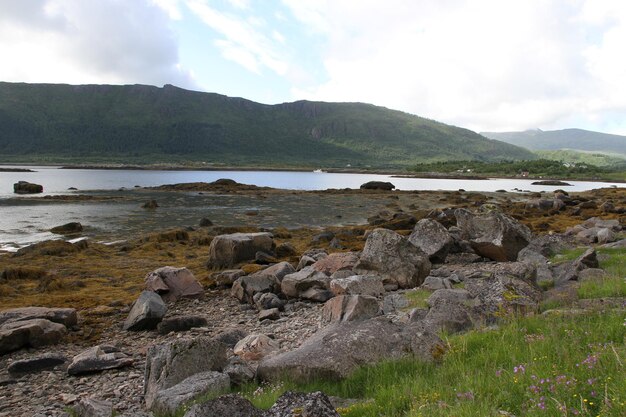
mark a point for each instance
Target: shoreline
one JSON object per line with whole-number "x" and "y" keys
{"x": 394, "y": 173}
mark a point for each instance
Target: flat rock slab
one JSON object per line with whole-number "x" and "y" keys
{"x": 36, "y": 364}
{"x": 64, "y": 316}
{"x": 98, "y": 358}
{"x": 167, "y": 401}
{"x": 33, "y": 333}
{"x": 181, "y": 324}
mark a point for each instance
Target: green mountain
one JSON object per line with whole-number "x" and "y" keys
{"x": 575, "y": 139}
{"x": 145, "y": 124}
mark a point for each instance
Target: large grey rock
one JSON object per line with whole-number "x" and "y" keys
{"x": 170, "y": 363}
{"x": 254, "y": 347}
{"x": 394, "y": 258}
{"x": 148, "y": 310}
{"x": 29, "y": 333}
{"x": 228, "y": 277}
{"x": 167, "y": 401}
{"x": 313, "y": 404}
{"x": 278, "y": 271}
{"x": 245, "y": 288}
{"x": 25, "y": 187}
{"x": 98, "y": 358}
{"x": 350, "y": 308}
{"x": 93, "y": 407}
{"x": 448, "y": 316}
{"x": 266, "y": 301}
{"x": 239, "y": 371}
{"x": 571, "y": 270}
{"x": 173, "y": 283}
{"x": 36, "y": 364}
{"x": 358, "y": 285}
{"x": 453, "y": 295}
{"x": 228, "y": 250}
{"x": 493, "y": 235}
{"x": 297, "y": 284}
{"x": 338, "y": 349}
{"x": 64, "y": 316}
{"x": 435, "y": 283}
{"x": 231, "y": 405}
{"x": 181, "y": 324}
{"x": 230, "y": 337}
{"x": 432, "y": 238}
{"x": 334, "y": 262}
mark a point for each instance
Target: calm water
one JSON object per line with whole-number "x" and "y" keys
{"x": 26, "y": 220}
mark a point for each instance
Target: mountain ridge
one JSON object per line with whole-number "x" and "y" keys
{"x": 572, "y": 138}
{"x": 139, "y": 122}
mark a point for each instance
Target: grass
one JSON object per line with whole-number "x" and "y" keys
{"x": 523, "y": 368}
{"x": 613, "y": 284}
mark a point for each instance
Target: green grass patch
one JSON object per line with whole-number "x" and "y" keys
{"x": 417, "y": 298}
{"x": 535, "y": 366}
{"x": 613, "y": 284}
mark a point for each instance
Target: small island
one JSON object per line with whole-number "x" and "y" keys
{"x": 552, "y": 182}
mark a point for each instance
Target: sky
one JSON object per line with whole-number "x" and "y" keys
{"x": 487, "y": 65}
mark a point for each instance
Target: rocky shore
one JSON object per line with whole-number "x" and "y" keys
{"x": 125, "y": 321}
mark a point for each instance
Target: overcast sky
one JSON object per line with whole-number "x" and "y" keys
{"x": 488, "y": 65}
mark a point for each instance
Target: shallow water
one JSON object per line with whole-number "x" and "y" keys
{"x": 27, "y": 220}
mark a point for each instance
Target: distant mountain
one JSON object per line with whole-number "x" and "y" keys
{"x": 143, "y": 124}
{"x": 576, "y": 139}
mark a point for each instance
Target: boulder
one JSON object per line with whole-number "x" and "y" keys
{"x": 435, "y": 283}
{"x": 378, "y": 185}
{"x": 167, "y": 401}
{"x": 432, "y": 238}
{"x": 285, "y": 249}
{"x": 181, "y": 324}
{"x": 173, "y": 283}
{"x": 306, "y": 283}
{"x": 245, "y": 288}
{"x": 336, "y": 262}
{"x": 29, "y": 333}
{"x": 448, "y": 316}
{"x": 146, "y": 313}
{"x": 493, "y": 235}
{"x": 571, "y": 271}
{"x": 205, "y": 222}
{"x": 453, "y": 295}
{"x": 230, "y": 337}
{"x": 68, "y": 228}
{"x": 394, "y": 258}
{"x": 338, "y": 349}
{"x": 268, "y": 300}
{"x": 350, "y": 308}
{"x": 228, "y": 277}
{"x": 152, "y": 204}
{"x": 98, "y": 358}
{"x": 170, "y": 363}
{"x": 311, "y": 404}
{"x": 93, "y": 407}
{"x": 64, "y": 316}
{"x": 278, "y": 270}
{"x": 358, "y": 285}
{"x": 269, "y": 314}
{"x": 394, "y": 302}
{"x": 25, "y": 187}
{"x": 36, "y": 364}
{"x": 231, "y": 405}
{"x": 228, "y": 250}
{"x": 239, "y": 371}
{"x": 255, "y": 347}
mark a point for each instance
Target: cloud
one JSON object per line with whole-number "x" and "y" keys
{"x": 73, "y": 41}
{"x": 484, "y": 64}
{"x": 244, "y": 41}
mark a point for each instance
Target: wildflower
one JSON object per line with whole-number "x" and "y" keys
{"x": 519, "y": 369}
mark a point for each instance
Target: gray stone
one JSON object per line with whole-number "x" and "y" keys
{"x": 33, "y": 333}
{"x": 269, "y": 314}
{"x": 394, "y": 302}
{"x": 448, "y": 316}
{"x": 170, "y": 363}
{"x": 255, "y": 347}
{"x": 228, "y": 277}
{"x": 231, "y": 405}
{"x": 181, "y": 324}
{"x": 239, "y": 371}
{"x": 93, "y": 407}
{"x": 295, "y": 285}
{"x": 493, "y": 235}
{"x": 334, "y": 262}
{"x": 245, "y": 288}
{"x": 228, "y": 250}
{"x": 98, "y": 358}
{"x": 148, "y": 310}
{"x": 230, "y": 337}
{"x": 435, "y": 283}
{"x": 36, "y": 364}
{"x": 278, "y": 271}
{"x": 64, "y": 316}
{"x": 394, "y": 258}
{"x": 350, "y": 308}
{"x": 358, "y": 285}
{"x": 167, "y": 401}
{"x": 432, "y": 238}
{"x": 173, "y": 283}
{"x": 25, "y": 187}
{"x": 285, "y": 249}
{"x": 338, "y": 349}
{"x": 268, "y": 300}
{"x": 453, "y": 295}
{"x": 313, "y": 404}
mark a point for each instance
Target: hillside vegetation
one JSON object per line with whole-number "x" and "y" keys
{"x": 145, "y": 124}
{"x": 576, "y": 139}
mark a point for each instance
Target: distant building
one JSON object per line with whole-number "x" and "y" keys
{"x": 524, "y": 174}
